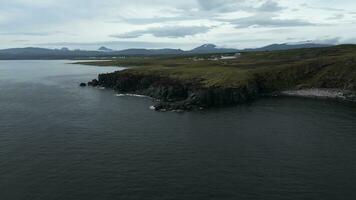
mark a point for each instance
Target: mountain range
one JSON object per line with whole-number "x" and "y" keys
{"x": 104, "y": 52}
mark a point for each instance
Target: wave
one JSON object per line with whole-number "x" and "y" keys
{"x": 131, "y": 95}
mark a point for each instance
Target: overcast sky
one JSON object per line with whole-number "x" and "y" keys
{"x": 120, "y": 24}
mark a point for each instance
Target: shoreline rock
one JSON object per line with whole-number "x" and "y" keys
{"x": 93, "y": 83}
{"x": 322, "y": 93}
{"x": 177, "y": 94}
{"x": 191, "y": 95}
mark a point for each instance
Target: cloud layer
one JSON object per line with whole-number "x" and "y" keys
{"x": 179, "y": 24}
{"x": 166, "y": 31}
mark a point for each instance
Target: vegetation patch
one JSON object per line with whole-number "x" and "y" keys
{"x": 249, "y": 74}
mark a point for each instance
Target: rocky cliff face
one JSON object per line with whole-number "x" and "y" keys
{"x": 177, "y": 94}
{"x": 192, "y": 94}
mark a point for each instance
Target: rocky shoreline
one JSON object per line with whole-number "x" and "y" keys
{"x": 186, "y": 83}
{"x": 322, "y": 93}
{"x": 172, "y": 94}
{"x": 176, "y": 95}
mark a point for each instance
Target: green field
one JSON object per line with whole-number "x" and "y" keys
{"x": 331, "y": 67}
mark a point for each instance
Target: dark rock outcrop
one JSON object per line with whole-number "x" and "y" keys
{"x": 82, "y": 84}
{"x": 93, "y": 83}
{"x": 178, "y": 94}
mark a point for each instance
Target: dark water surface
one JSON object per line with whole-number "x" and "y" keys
{"x": 59, "y": 141}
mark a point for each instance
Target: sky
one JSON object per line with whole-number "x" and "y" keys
{"x": 185, "y": 24}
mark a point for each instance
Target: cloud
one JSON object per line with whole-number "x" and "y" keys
{"x": 266, "y": 14}
{"x": 270, "y": 6}
{"x": 212, "y": 10}
{"x": 31, "y": 33}
{"x": 334, "y": 40}
{"x": 328, "y": 40}
{"x": 240, "y": 5}
{"x": 337, "y": 17}
{"x": 350, "y": 41}
{"x": 220, "y": 5}
{"x": 166, "y": 31}
{"x": 322, "y": 8}
{"x": 20, "y": 41}
{"x": 173, "y": 22}
{"x": 268, "y": 20}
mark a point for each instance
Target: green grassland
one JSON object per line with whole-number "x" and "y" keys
{"x": 331, "y": 67}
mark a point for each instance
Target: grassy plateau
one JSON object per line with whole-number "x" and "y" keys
{"x": 331, "y": 67}
{"x": 203, "y": 81}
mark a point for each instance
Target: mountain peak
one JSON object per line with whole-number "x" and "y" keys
{"x": 104, "y": 49}
{"x": 287, "y": 46}
{"x": 211, "y": 48}
{"x": 64, "y": 49}
{"x": 206, "y": 46}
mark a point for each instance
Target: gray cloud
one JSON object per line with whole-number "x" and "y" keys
{"x": 221, "y": 5}
{"x": 321, "y": 7}
{"x": 263, "y": 11}
{"x": 33, "y": 33}
{"x": 150, "y": 20}
{"x": 323, "y": 40}
{"x": 333, "y": 40}
{"x": 350, "y": 41}
{"x": 337, "y": 17}
{"x": 268, "y": 20}
{"x": 270, "y": 6}
{"x": 20, "y": 40}
{"x": 29, "y": 33}
{"x": 88, "y": 20}
{"x": 166, "y": 31}
{"x": 235, "y": 5}
{"x": 209, "y": 9}
{"x": 265, "y": 15}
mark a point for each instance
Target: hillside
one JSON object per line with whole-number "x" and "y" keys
{"x": 184, "y": 82}
{"x": 106, "y": 53}
{"x": 279, "y": 47}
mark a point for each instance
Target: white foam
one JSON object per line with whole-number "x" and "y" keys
{"x": 321, "y": 93}
{"x": 131, "y": 95}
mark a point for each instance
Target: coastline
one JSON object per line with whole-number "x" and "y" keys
{"x": 182, "y": 83}
{"x": 322, "y": 93}
{"x": 174, "y": 94}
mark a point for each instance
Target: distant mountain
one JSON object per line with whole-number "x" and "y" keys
{"x": 129, "y": 52}
{"x": 103, "y": 52}
{"x": 104, "y": 49}
{"x": 285, "y": 46}
{"x": 211, "y": 48}
{"x": 42, "y": 53}
{"x": 64, "y": 49}
{"x": 27, "y": 50}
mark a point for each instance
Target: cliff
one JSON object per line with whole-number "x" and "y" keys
{"x": 183, "y": 83}
{"x": 175, "y": 94}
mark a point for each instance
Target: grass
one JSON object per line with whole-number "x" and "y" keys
{"x": 331, "y": 67}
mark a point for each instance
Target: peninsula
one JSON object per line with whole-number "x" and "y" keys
{"x": 191, "y": 82}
